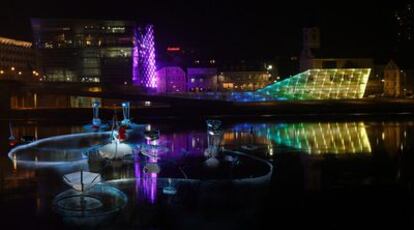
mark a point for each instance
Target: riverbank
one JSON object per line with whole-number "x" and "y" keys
{"x": 280, "y": 109}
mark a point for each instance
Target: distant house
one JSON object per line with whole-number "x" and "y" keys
{"x": 202, "y": 79}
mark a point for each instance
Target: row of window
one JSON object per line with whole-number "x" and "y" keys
{"x": 243, "y": 86}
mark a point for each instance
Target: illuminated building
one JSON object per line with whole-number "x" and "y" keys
{"x": 85, "y": 50}
{"x": 243, "y": 80}
{"x": 144, "y": 69}
{"x": 318, "y": 84}
{"x": 392, "y": 80}
{"x": 17, "y": 59}
{"x": 315, "y": 57}
{"x": 171, "y": 80}
{"x": 202, "y": 79}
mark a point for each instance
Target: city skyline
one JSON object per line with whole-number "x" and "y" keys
{"x": 217, "y": 29}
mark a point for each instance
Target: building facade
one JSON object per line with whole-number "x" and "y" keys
{"x": 17, "y": 60}
{"x": 394, "y": 80}
{"x": 171, "y": 80}
{"x": 202, "y": 79}
{"x": 243, "y": 80}
{"x": 85, "y": 50}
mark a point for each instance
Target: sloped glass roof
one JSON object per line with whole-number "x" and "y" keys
{"x": 318, "y": 84}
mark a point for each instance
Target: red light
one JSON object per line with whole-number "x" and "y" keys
{"x": 12, "y": 143}
{"x": 173, "y": 49}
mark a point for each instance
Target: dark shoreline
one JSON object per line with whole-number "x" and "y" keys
{"x": 293, "y": 110}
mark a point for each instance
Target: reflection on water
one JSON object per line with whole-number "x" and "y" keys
{"x": 314, "y": 138}
{"x": 312, "y": 155}
{"x": 323, "y": 137}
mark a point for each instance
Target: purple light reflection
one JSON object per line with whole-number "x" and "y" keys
{"x": 192, "y": 144}
{"x": 145, "y": 183}
{"x": 137, "y": 172}
{"x": 153, "y": 183}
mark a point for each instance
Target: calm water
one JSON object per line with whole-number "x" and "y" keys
{"x": 326, "y": 174}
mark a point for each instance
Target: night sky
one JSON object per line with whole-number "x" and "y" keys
{"x": 230, "y": 29}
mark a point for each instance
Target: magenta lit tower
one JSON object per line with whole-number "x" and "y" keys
{"x": 143, "y": 62}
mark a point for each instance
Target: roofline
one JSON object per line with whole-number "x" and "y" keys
{"x": 14, "y": 42}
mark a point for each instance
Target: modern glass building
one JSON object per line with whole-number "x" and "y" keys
{"x": 319, "y": 84}
{"x": 143, "y": 62}
{"x": 114, "y": 52}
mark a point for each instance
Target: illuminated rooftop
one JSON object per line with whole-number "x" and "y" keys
{"x": 13, "y": 42}
{"x": 317, "y": 84}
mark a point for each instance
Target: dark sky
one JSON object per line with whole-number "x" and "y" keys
{"x": 229, "y": 28}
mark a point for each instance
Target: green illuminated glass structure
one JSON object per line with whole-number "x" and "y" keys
{"x": 320, "y": 138}
{"x": 319, "y": 84}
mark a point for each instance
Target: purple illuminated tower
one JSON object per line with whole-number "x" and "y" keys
{"x": 143, "y": 54}
{"x": 135, "y": 60}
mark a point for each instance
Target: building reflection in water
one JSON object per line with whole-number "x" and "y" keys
{"x": 311, "y": 138}
{"x": 145, "y": 184}
{"x": 321, "y": 138}
{"x": 350, "y": 142}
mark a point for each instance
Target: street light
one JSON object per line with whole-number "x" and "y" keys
{"x": 269, "y": 67}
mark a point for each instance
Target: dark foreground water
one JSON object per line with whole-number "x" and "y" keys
{"x": 336, "y": 174}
